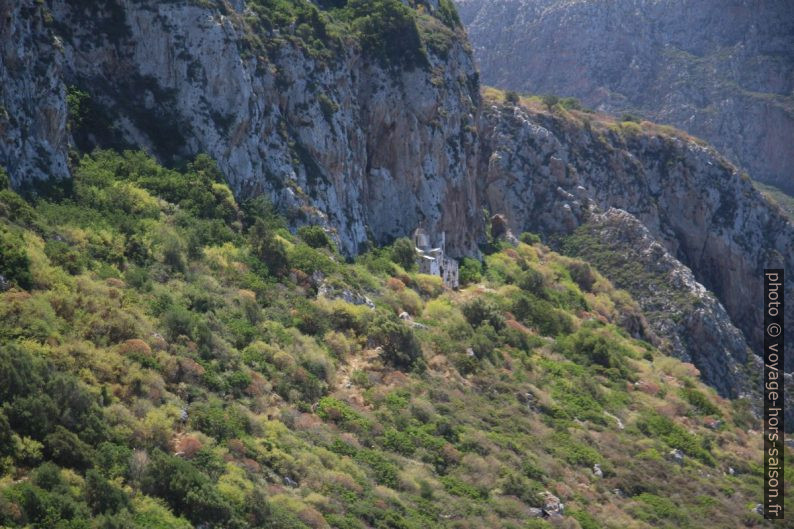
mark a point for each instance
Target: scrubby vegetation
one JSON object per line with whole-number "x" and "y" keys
{"x": 170, "y": 358}
{"x": 394, "y": 34}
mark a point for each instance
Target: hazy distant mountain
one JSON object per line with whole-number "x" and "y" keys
{"x": 722, "y": 70}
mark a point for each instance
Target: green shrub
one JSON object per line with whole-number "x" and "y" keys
{"x": 528, "y": 491}
{"x": 218, "y": 421}
{"x": 186, "y": 489}
{"x": 550, "y": 100}
{"x": 448, "y": 14}
{"x": 314, "y": 236}
{"x": 470, "y": 271}
{"x": 179, "y": 321}
{"x": 529, "y": 238}
{"x": 307, "y": 259}
{"x": 572, "y": 451}
{"x": 700, "y": 402}
{"x": 6, "y": 437}
{"x": 328, "y": 107}
{"x": 102, "y": 496}
{"x": 66, "y": 449}
{"x": 385, "y": 472}
{"x": 598, "y": 348}
{"x": 334, "y": 410}
{"x": 485, "y": 341}
{"x": 658, "y": 426}
{"x": 531, "y": 281}
{"x": 480, "y": 311}
{"x": 656, "y": 509}
{"x": 267, "y": 248}
{"x": 570, "y": 103}
{"x": 19, "y": 373}
{"x": 388, "y": 33}
{"x": 583, "y": 275}
{"x": 511, "y": 97}
{"x": 460, "y": 488}
{"x": 14, "y": 262}
{"x": 585, "y": 520}
{"x": 403, "y": 253}
{"x": 540, "y": 314}
{"x": 400, "y": 346}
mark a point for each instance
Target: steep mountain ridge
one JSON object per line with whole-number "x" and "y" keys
{"x": 296, "y": 111}
{"x": 721, "y": 70}
{"x": 371, "y": 140}
{"x": 691, "y": 199}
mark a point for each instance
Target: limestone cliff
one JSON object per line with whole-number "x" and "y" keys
{"x": 33, "y": 134}
{"x": 721, "y": 70}
{"x": 662, "y": 215}
{"x": 322, "y": 126}
{"x": 547, "y": 172}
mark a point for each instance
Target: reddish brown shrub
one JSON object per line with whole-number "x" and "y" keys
{"x": 135, "y": 346}
{"x": 187, "y": 446}
{"x": 395, "y": 284}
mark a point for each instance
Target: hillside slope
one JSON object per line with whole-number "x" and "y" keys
{"x": 721, "y": 70}
{"x": 366, "y": 117}
{"x": 173, "y": 359}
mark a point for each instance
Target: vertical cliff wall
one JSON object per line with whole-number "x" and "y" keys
{"x": 367, "y": 141}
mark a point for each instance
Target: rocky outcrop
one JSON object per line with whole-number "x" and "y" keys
{"x": 691, "y": 323}
{"x": 721, "y": 70}
{"x": 661, "y": 215}
{"x": 549, "y": 173}
{"x": 33, "y": 134}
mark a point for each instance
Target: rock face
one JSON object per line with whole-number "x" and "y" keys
{"x": 325, "y": 132}
{"x": 548, "y": 174}
{"x": 662, "y": 216}
{"x": 721, "y": 70}
{"x": 33, "y": 135}
{"x": 372, "y": 150}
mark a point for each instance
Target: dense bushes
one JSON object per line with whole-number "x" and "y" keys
{"x": 388, "y": 33}
{"x": 176, "y": 362}
{"x": 598, "y": 348}
{"x": 186, "y": 489}
{"x": 14, "y": 262}
{"x": 479, "y": 311}
{"x": 542, "y": 315}
{"x": 666, "y": 430}
{"x": 400, "y": 345}
{"x": 403, "y": 253}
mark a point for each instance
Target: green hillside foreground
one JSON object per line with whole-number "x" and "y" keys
{"x": 170, "y": 358}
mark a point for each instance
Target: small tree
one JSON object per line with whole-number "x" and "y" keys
{"x": 404, "y": 253}
{"x": 550, "y": 100}
{"x": 268, "y": 248}
{"x": 470, "y": 271}
{"x": 314, "y": 236}
{"x": 479, "y": 311}
{"x": 529, "y": 238}
{"x": 14, "y": 262}
{"x": 512, "y": 97}
{"x": 400, "y": 346}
